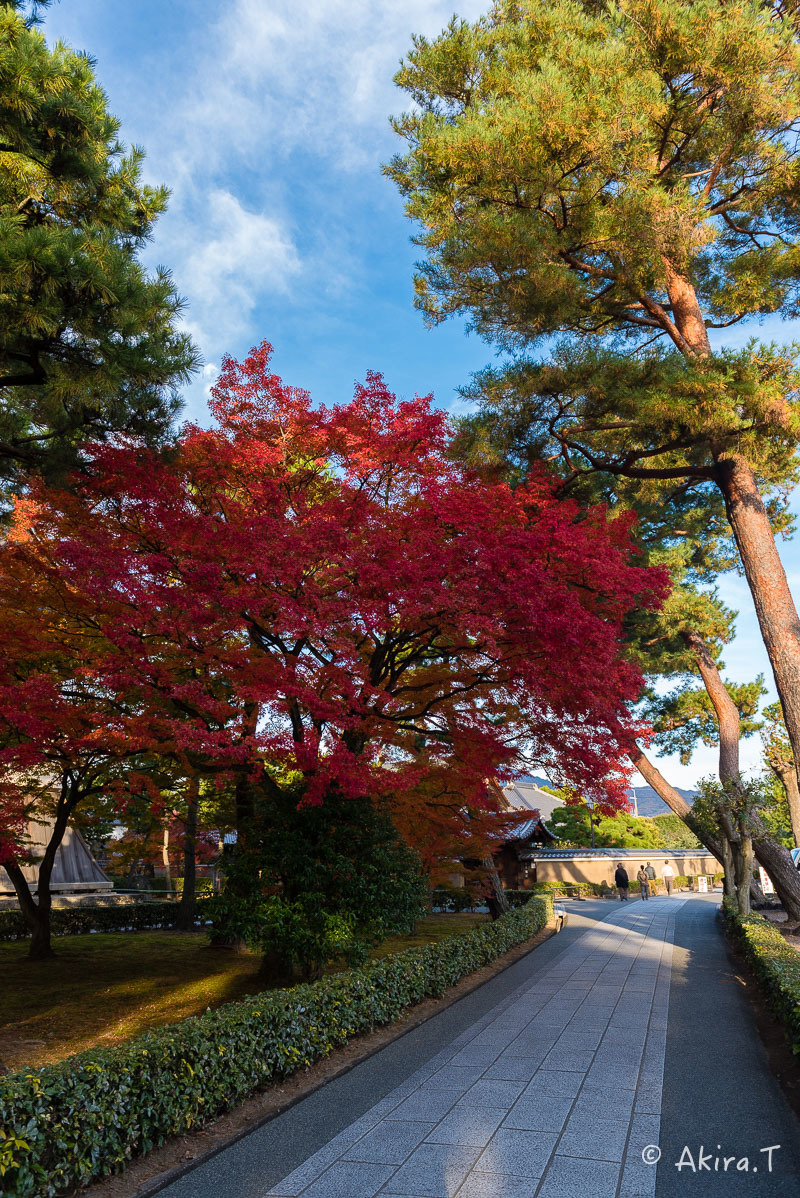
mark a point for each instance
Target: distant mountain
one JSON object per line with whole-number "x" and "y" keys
{"x": 647, "y": 801}
{"x": 649, "y": 804}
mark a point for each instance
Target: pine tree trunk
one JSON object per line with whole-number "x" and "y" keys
{"x": 729, "y": 866}
{"x": 787, "y": 775}
{"x": 674, "y": 800}
{"x": 677, "y": 804}
{"x": 186, "y": 907}
{"x": 779, "y": 865}
{"x": 744, "y": 871}
{"x": 747, "y": 515}
{"x": 766, "y": 577}
{"x": 785, "y": 877}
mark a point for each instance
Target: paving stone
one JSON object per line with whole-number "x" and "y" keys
{"x": 558, "y": 1083}
{"x": 389, "y": 1143}
{"x": 618, "y": 1056}
{"x": 513, "y": 1069}
{"x": 597, "y": 1140}
{"x": 648, "y": 1098}
{"x": 492, "y": 1094}
{"x": 539, "y": 1112}
{"x": 467, "y": 1125}
{"x": 497, "y": 1185}
{"x": 571, "y": 1178}
{"x": 595, "y": 1102}
{"x": 521, "y": 1153}
{"x": 575, "y": 1059}
{"x": 622, "y": 1035}
{"x": 453, "y": 1077}
{"x": 426, "y": 1105}
{"x": 432, "y": 1171}
{"x": 310, "y": 1170}
{"x": 645, "y": 1130}
{"x": 572, "y": 1039}
{"x": 479, "y": 1056}
{"x": 638, "y": 1180}
{"x": 348, "y": 1179}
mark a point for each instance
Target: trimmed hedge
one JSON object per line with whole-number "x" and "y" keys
{"x": 76, "y": 921}
{"x": 775, "y": 963}
{"x": 67, "y": 1124}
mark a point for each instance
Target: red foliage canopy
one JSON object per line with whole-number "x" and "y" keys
{"x": 325, "y": 590}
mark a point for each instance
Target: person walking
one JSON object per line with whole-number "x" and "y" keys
{"x": 651, "y": 878}
{"x": 667, "y": 876}
{"x": 644, "y": 885}
{"x": 621, "y": 882}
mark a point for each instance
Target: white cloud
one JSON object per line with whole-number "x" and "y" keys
{"x": 230, "y": 259}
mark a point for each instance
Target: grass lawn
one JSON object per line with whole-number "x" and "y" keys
{"x": 102, "y": 989}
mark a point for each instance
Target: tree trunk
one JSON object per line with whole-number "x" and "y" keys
{"x": 787, "y": 776}
{"x": 727, "y": 713}
{"x": 766, "y": 577}
{"x": 729, "y": 866}
{"x": 785, "y": 877}
{"x": 755, "y": 540}
{"x": 41, "y": 947}
{"x": 186, "y": 907}
{"x": 165, "y": 858}
{"x": 674, "y": 800}
{"x": 496, "y": 899}
{"x": 744, "y": 869}
{"x": 677, "y": 804}
{"x": 37, "y": 913}
{"x": 28, "y": 907}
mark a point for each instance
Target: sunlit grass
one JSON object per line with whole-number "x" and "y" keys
{"x": 103, "y": 989}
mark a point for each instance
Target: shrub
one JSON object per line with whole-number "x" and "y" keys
{"x": 324, "y": 880}
{"x": 455, "y": 898}
{"x": 76, "y": 921}
{"x": 66, "y": 1124}
{"x": 775, "y": 963}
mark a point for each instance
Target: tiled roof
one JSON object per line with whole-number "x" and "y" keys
{"x": 618, "y": 854}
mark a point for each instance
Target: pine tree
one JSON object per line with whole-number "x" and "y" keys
{"x": 89, "y": 343}
{"x": 625, "y": 178}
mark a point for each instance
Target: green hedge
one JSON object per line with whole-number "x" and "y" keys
{"x": 76, "y": 921}
{"x": 66, "y": 1124}
{"x": 775, "y": 963}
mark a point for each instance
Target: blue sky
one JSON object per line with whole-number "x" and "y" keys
{"x": 268, "y": 120}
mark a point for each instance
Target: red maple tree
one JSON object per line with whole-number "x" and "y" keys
{"x": 323, "y": 593}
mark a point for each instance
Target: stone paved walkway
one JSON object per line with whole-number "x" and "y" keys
{"x": 554, "y": 1093}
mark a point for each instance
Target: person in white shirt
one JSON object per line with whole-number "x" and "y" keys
{"x": 667, "y": 875}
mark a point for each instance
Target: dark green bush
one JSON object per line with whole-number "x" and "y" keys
{"x": 323, "y": 881}
{"x": 76, "y": 921}
{"x": 64, "y": 1125}
{"x": 454, "y": 899}
{"x": 775, "y": 963}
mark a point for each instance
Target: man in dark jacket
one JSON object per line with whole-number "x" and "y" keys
{"x": 621, "y": 882}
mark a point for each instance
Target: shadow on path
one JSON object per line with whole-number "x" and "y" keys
{"x": 718, "y": 1087}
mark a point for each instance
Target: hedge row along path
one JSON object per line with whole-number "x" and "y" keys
{"x": 630, "y": 1029}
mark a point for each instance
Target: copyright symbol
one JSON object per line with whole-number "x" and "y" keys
{"x": 651, "y": 1155}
